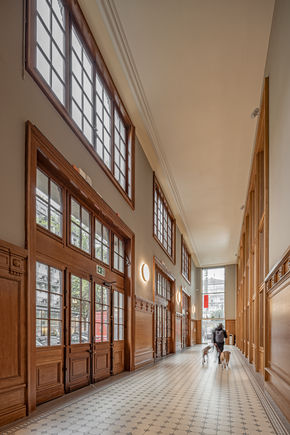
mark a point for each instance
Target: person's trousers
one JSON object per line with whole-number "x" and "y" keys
{"x": 220, "y": 348}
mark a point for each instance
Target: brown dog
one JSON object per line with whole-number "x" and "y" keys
{"x": 225, "y": 358}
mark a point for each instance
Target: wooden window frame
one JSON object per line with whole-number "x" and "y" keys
{"x": 157, "y": 188}
{"x": 101, "y": 242}
{"x": 89, "y": 254}
{"x": 63, "y": 205}
{"x": 113, "y": 234}
{"x": 75, "y": 17}
{"x": 185, "y": 251}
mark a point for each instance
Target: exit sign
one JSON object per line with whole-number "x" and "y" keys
{"x": 101, "y": 270}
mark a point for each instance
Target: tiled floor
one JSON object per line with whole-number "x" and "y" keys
{"x": 176, "y": 396}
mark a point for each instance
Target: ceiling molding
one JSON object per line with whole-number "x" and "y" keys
{"x": 114, "y": 25}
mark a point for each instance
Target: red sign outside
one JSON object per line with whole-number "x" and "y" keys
{"x": 205, "y": 301}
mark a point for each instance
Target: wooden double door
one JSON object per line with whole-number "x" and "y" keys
{"x": 80, "y": 337}
{"x": 163, "y": 330}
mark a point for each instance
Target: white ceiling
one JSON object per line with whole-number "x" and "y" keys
{"x": 195, "y": 69}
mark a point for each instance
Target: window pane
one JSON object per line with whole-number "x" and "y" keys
{"x": 41, "y": 333}
{"x": 85, "y": 220}
{"x": 85, "y": 332}
{"x": 85, "y": 290}
{"x": 98, "y": 229}
{"x": 98, "y": 332}
{"x": 116, "y": 338}
{"x": 75, "y": 235}
{"x": 42, "y": 185}
{"x": 75, "y": 309}
{"x": 55, "y": 222}
{"x": 44, "y": 11}
{"x": 41, "y": 276}
{"x": 43, "y": 38}
{"x": 86, "y": 311}
{"x": 98, "y": 294}
{"x": 121, "y": 332}
{"x": 41, "y": 213}
{"x": 75, "y": 286}
{"x": 55, "y": 333}
{"x": 75, "y": 332}
{"x": 86, "y": 242}
{"x": 75, "y": 211}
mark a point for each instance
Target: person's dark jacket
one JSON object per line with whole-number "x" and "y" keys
{"x": 218, "y": 329}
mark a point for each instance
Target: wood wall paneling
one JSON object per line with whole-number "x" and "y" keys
{"x": 278, "y": 334}
{"x": 13, "y": 328}
{"x": 230, "y": 328}
{"x": 144, "y": 310}
{"x": 198, "y": 331}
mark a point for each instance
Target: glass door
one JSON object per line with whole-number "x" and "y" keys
{"x": 79, "y": 347}
{"x": 102, "y": 332}
{"x": 118, "y": 332}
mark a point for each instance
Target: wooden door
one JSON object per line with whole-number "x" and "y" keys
{"x": 118, "y": 331}
{"x": 102, "y": 332}
{"x": 193, "y": 332}
{"x": 49, "y": 356}
{"x": 168, "y": 330}
{"x": 79, "y": 347}
{"x": 163, "y": 331}
{"x": 178, "y": 331}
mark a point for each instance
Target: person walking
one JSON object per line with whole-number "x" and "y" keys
{"x": 219, "y": 335}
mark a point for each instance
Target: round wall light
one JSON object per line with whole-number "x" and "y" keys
{"x": 145, "y": 273}
{"x": 178, "y": 297}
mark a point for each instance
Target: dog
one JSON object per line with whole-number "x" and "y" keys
{"x": 225, "y": 358}
{"x": 205, "y": 352}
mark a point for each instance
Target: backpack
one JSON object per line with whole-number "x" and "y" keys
{"x": 219, "y": 336}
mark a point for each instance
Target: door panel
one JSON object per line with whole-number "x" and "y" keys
{"x": 79, "y": 368}
{"x": 102, "y": 332}
{"x": 79, "y": 348}
{"x": 118, "y": 326}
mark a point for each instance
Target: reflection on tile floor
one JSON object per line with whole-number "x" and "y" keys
{"x": 176, "y": 396}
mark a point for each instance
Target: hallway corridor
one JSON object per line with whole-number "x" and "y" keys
{"x": 175, "y": 396}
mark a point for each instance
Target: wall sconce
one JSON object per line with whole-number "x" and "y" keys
{"x": 178, "y": 297}
{"x": 145, "y": 273}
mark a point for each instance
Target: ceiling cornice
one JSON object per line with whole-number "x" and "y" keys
{"x": 114, "y": 25}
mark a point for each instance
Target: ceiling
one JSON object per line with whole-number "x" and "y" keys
{"x": 195, "y": 71}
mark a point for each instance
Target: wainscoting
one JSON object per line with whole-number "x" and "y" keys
{"x": 277, "y": 370}
{"x": 144, "y": 311}
{"x": 13, "y": 339}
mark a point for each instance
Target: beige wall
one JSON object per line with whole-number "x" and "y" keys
{"x": 230, "y": 291}
{"x": 278, "y": 70}
{"x": 22, "y": 100}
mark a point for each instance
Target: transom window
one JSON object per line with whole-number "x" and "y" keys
{"x": 118, "y": 316}
{"x": 185, "y": 261}
{"x": 163, "y": 286}
{"x": 102, "y": 242}
{"x": 164, "y": 223}
{"x": 119, "y": 254}
{"x": 80, "y": 310}
{"x": 80, "y": 227}
{"x": 49, "y": 303}
{"x": 48, "y": 204}
{"x": 102, "y": 320}
{"x": 67, "y": 65}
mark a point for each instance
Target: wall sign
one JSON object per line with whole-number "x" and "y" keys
{"x": 101, "y": 270}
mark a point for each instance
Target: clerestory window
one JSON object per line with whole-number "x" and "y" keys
{"x": 66, "y": 63}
